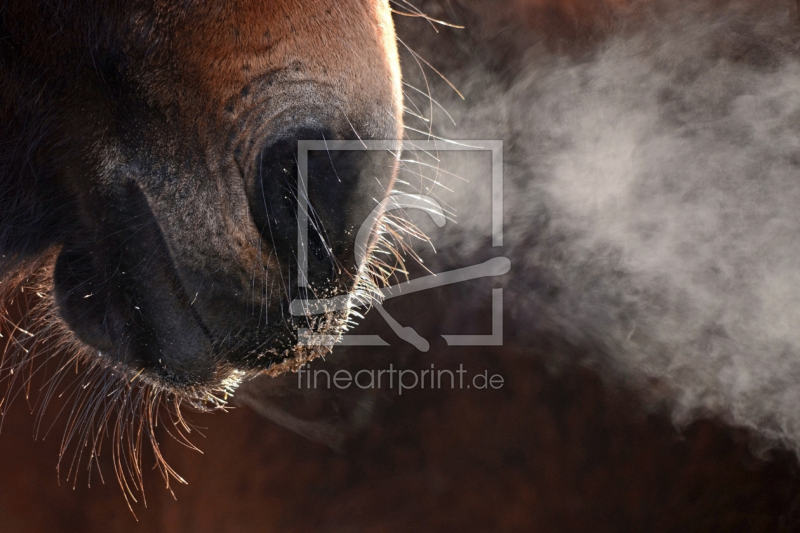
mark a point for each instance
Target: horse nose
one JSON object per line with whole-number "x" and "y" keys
{"x": 328, "y": 186}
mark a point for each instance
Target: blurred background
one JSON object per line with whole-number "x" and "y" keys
{"x": 608, "y": 420}
{"x": 559, "y": 451}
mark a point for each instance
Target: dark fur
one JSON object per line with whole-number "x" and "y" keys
{"x": 137, "y": 139}
{"x": 146, "y": 195}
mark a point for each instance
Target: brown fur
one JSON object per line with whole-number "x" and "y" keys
{"x": 141, "y": 142}
{"x": 161, "y": 110}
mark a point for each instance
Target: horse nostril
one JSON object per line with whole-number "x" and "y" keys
{"x": 276, "y": 202}
{"x": 334, "y": 182}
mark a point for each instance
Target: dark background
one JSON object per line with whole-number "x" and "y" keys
{"x": 557, "y": 449}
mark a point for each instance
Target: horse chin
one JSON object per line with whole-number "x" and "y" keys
{"x": 315, "y": 339}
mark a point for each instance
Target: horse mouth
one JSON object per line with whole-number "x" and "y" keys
{"x": 173, "y": 343}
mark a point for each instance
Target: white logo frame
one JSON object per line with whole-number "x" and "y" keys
{"x": 493, "y": 267}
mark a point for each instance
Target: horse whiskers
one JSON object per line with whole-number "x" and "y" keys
{"x": 103, "y": 401}
{"x": 106, "y": 401}
{"x": 393, "y": 241}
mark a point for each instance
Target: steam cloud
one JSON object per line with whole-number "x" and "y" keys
{"x": 653, "y": 205}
